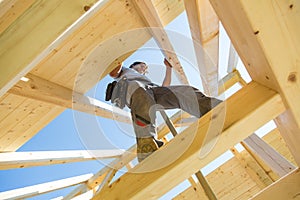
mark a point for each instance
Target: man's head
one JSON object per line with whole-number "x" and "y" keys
{"x": 140, "y": 67}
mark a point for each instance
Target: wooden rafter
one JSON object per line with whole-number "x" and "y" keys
{"x": 272, "y": 158}
{"x": 151, "y": 18}
{"x": 232, "y": 59}
{"x": 260, "y": 103}
{"x": 253, "y": 26}
{"x": 40, "y": 89}
{"x": 204, "y": 27}
{"x": 205, "y": 185}
{"x": 39, "y": 158}
{"x": 76, "y": 192}
{"x": 31, "y": 191}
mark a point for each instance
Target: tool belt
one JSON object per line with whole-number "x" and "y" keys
{"x": 116, "y": 92}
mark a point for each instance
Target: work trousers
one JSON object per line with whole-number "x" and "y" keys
{"x": 146, "y": 101}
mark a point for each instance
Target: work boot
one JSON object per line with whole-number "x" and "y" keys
{"x": 145, "y": 147}
{"x": 159, "y": 143}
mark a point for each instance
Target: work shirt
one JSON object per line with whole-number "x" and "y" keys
{"x": 135, "y": 80}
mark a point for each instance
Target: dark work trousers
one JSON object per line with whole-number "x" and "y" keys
{"x": 145, "y": 102}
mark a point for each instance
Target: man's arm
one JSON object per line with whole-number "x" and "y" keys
{"x": 168, "y": 75}
{"x": 115, "y": 73}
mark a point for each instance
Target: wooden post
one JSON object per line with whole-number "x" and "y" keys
{"x": 204, "y": 27}
{"x": 152, "y": 20}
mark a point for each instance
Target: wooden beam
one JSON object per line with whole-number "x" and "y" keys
{"x": 40, "y": 89}
{"x": 290, "y": 132}
{"x": 152, "y": 20}
{"x": 253, "y": 26}
{"x": 229, "y": 80}
{"x": 29, "y": 31}
{"x": 274, "y": 139}
{"x": 31, "y": 191}
{"x": 204, "y": 27}
{"x": 169, "y": 123}
{"x": 247, "y": 110}
{"x": 77, "y": 191}
{"x": 288, "y": 187}
{"x": 206, "y": 187}
{"x": 273, "y": 176}
{"x": 39, "y": 158}
{"x": 272, "y": 158}
{"x": 163, "y": 129}
{"x": 232, "y": 59}
{"x": 108, "y": 177}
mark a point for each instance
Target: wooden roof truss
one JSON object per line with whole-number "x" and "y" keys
{"x": 48, "y": 43}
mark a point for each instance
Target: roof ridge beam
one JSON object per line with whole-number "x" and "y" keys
{"x": 43, "y": 90}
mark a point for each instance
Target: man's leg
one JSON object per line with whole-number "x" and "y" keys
{"x": 143, "y": 117}
{"x": 187, "y": 98}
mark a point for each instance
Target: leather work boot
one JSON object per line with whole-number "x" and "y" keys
{"x": 159, "y": 143}
{"x": 145, "y": 147}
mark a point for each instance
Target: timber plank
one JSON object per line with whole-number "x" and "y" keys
{"x": 12, "y": 120}
{"x": 275, "y": 139}
{"x": 10, "y": 10}
{"x": 271, "y": 157}
{"x": 28, "y": 117}
{"x": 24, "y": 136}
{"x": 8, "y": 103}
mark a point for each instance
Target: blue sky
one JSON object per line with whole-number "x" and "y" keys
{"x": 66, "y": 132}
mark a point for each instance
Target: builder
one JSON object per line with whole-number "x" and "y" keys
{"x": 144, "y": 98}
